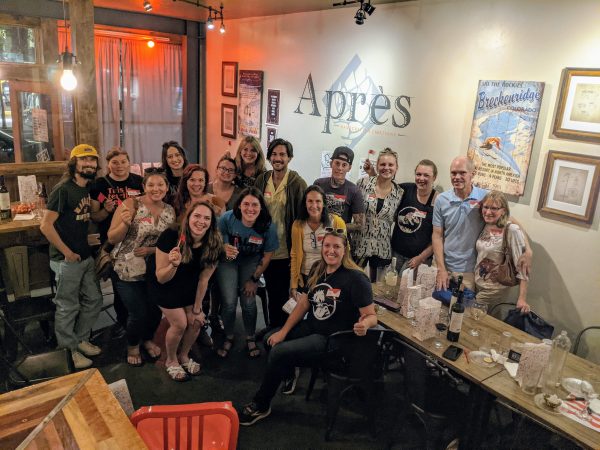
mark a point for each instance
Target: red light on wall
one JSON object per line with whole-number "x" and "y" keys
{"x": 150, "y": 43}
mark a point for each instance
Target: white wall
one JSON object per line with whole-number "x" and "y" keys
{"x": 434, "y": 51}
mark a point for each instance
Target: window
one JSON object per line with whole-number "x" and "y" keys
{"x": 17, "y": 44}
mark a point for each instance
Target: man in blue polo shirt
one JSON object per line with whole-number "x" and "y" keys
{"x": 457, "y": 223}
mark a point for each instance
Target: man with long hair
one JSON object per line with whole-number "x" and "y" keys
{"x": 78, "y": 297}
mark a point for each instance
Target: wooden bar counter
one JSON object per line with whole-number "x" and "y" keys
{"x": 74, "y": 411}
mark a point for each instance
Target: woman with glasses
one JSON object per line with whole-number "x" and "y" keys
{"x": 193, "y": 188}
{"x": 224, "y": 185}
{"x": 307, "y": 235}
{"x": 337, "y": 297}
{"x": 186, "y": 257}
{"x": 135, "y": 227}
{"x": 496, "y": 214}
{"x": 381, "y": 195}
{"x": 250, "y": 238}
{"x": 250, "y": 161}
{"x": 173, "y": 162}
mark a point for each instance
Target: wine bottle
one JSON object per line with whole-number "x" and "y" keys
{"x": 456, "y": 319}
{"x": 455, "y": 292}
{"x": 4, "y": 201}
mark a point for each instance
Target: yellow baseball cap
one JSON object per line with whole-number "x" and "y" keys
{"x": 81, "y": 150}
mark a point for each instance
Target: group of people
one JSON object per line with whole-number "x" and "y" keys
{"x": 189, "y": 250}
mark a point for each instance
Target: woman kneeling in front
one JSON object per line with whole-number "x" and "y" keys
{"x": 339, "y": 298}
{"x": 185, "y": 260}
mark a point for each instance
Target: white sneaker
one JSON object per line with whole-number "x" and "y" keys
{"x": 80, "y": 361}
{"x": 88, "y": 349}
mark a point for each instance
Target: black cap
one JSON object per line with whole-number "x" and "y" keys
{"x": 343, "y": 153}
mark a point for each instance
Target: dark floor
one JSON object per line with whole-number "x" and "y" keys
{"x": 294, "y": 422}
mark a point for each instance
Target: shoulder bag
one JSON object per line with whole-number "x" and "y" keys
{"x": 506, "y": 271}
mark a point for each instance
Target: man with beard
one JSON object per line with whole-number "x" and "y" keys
{"x": 78, "y": 297}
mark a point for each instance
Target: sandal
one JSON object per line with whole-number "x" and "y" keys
{"x": 225, "y": 348}
{"x": 177, "y": 373}
{"x": 253, "y": 350}
{"x": 191, "y": 367}
{"x": 152, "y": 350}
{"x": 134, "y": 358}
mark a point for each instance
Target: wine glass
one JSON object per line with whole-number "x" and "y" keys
{"x": 441, "y": 325}
{"x": 478, "y": 311}
{"x": 414, "y": 305}
{"x": 590, "y": 389}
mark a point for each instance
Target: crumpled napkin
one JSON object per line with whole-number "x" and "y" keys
{"x": 510, "y": 366}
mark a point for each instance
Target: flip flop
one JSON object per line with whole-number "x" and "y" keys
{"x": 175, "y": 373}
{"x": 252, "y": 348}
{"x": 191, "y": 367}
{"x": 138, "y": 361}
{"x": 225, "y": 348}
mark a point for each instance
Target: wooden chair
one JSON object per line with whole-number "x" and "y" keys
{"x": 211, "y": 425}
{"x": 25, "y": 308}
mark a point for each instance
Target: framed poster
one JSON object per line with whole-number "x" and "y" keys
{"x": 271, "y": 135}
{"x": 250, "y": 105}
{"x": 502, "y": 132}
{"x": 570, "y": 187}
{"x": 228, "y": 120}
{"x": 273, "y": 97}
{"x": 229, "y": 79}
{"x": 578, "y": 113}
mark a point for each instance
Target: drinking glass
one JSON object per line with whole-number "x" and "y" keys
{"x": 40, "y": 204}
{"x": 380, "y": 280}
{"x": 441, "y": 325}
{"x": 478, "y": 311}
{"x": 590, "y": 389}
{"x": 414, "y": 305}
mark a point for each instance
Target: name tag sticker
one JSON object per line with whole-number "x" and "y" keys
{"x": 133, "y": 192}
{"x": 146, "y": 220}
{"x": 255, "y": 240}
{"x": 372, "y": 197}
{"x": 268, "y": 194}
{"x": 474, "y": 204}
{"x": 340, "y": 197}
{"x": 333, "y": 292}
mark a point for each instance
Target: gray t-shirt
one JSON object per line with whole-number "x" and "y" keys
{"x": 343, "y": 200}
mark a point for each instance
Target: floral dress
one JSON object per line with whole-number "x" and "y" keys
{"x": 374, "y": 238}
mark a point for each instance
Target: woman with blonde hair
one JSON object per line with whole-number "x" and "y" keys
{"x": 338, "y": 297}
{"x": 496, "y": 213}
{"x": 250, "y": 161}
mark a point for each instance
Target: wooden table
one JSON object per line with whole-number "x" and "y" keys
{"x": 74, "y": 411}
{"x": 495, "y": 381}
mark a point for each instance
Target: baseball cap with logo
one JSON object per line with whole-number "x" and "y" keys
{"x": 344, "y": 154}
{"x": 81, "y": 150}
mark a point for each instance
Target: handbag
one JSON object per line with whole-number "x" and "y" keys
{"x": 506, "y": 272}
{"x": 530, "y": 323}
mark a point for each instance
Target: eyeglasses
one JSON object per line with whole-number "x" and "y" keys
{"x": 149, "y": 170}
{"x": 492, "y": 208}
{"x": 226, "y": 170}
{"x": 335, "y": 230}
{"x": 313, "y": 239}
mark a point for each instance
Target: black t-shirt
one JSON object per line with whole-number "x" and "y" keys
{"x": 173, "y": 187}
{"x": 72, "y": 203}
{"x": 413, "y": 227}
{"x": 180, "y": 290}
{"x": 336, "y": 299}
{"x": 106, "y": 188}
{"x": 343, "y": 200}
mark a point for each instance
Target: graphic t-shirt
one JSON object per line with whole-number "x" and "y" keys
{"x": 72, "y": 203}
{"x": 413, "y": 227}
{"x": 343, "y": 200}
{"x": 106, "y": 188}
{"x": 248, "y": 241}
{"x": 335, "y": 300}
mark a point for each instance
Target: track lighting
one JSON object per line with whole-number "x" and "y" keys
{"x": 368, "y": 8}
{"x": 214, "y": 14}
{"x": 222, "y": 28}
{"x": 359, "y": 17}
{"x": 209, "y": 23}
{"x": 364, "y": 9}
{"x": 147, "y": 6}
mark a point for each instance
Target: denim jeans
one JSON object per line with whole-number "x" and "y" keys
{"x": 78, "y": 301}
{"x": 301, "y": 348}
{"x": 232, "y": 275}
{"x": 143, "y": 315}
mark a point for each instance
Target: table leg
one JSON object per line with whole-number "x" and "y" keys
{"x": 476, "y": 419}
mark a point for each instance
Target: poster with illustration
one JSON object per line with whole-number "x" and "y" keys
{"x": 250, "y": 107}
{"x": 504, "y": 123}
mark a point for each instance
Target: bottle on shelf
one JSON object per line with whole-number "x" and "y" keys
{"x": 391, "y": 279}
{"x": 552, "y": 375}
{"x": 4, "y": 201}
{"x": 456, "y": 318}
{"x": 455, "y": 292}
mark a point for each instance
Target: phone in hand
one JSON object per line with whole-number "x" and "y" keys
{"x": 452, "y": 353}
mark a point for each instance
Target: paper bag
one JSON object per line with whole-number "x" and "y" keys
{"x": 426, "y": 277}
{"x": 426, "y": 316}
{"x": 406, "y": 281}
{"x": 533, "y": 360}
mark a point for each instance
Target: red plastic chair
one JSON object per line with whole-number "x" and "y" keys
{"x": 211, "y": 425}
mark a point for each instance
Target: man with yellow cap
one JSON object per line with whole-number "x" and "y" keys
{"x": 78, "y": 297}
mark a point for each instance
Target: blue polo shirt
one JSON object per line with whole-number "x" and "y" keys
{"x": 462, "y": 223}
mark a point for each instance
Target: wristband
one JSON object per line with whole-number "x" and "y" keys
{"x": 255, "y": 279}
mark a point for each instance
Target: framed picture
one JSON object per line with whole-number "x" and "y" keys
{"x": 570, "y": 187}
{"x": 578, "y": 114}
{"x": 229, "y": 79}
{"x": 229, "y": 120}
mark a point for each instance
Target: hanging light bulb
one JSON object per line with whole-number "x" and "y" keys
{"x": 210, "y": 24}
{"x": 222, "y": 28}
{"x": 68, "y": 81}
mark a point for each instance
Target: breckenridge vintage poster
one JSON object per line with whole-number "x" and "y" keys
{"x": 504, "y": 123}
{"x": 250, "y": 109}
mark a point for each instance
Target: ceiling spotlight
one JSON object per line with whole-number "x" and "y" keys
{"x": 147, "y": 6}
{"x": 359, "y": 17}
{"x": 210, "y": 23}
{"x": 368, "y": 8}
